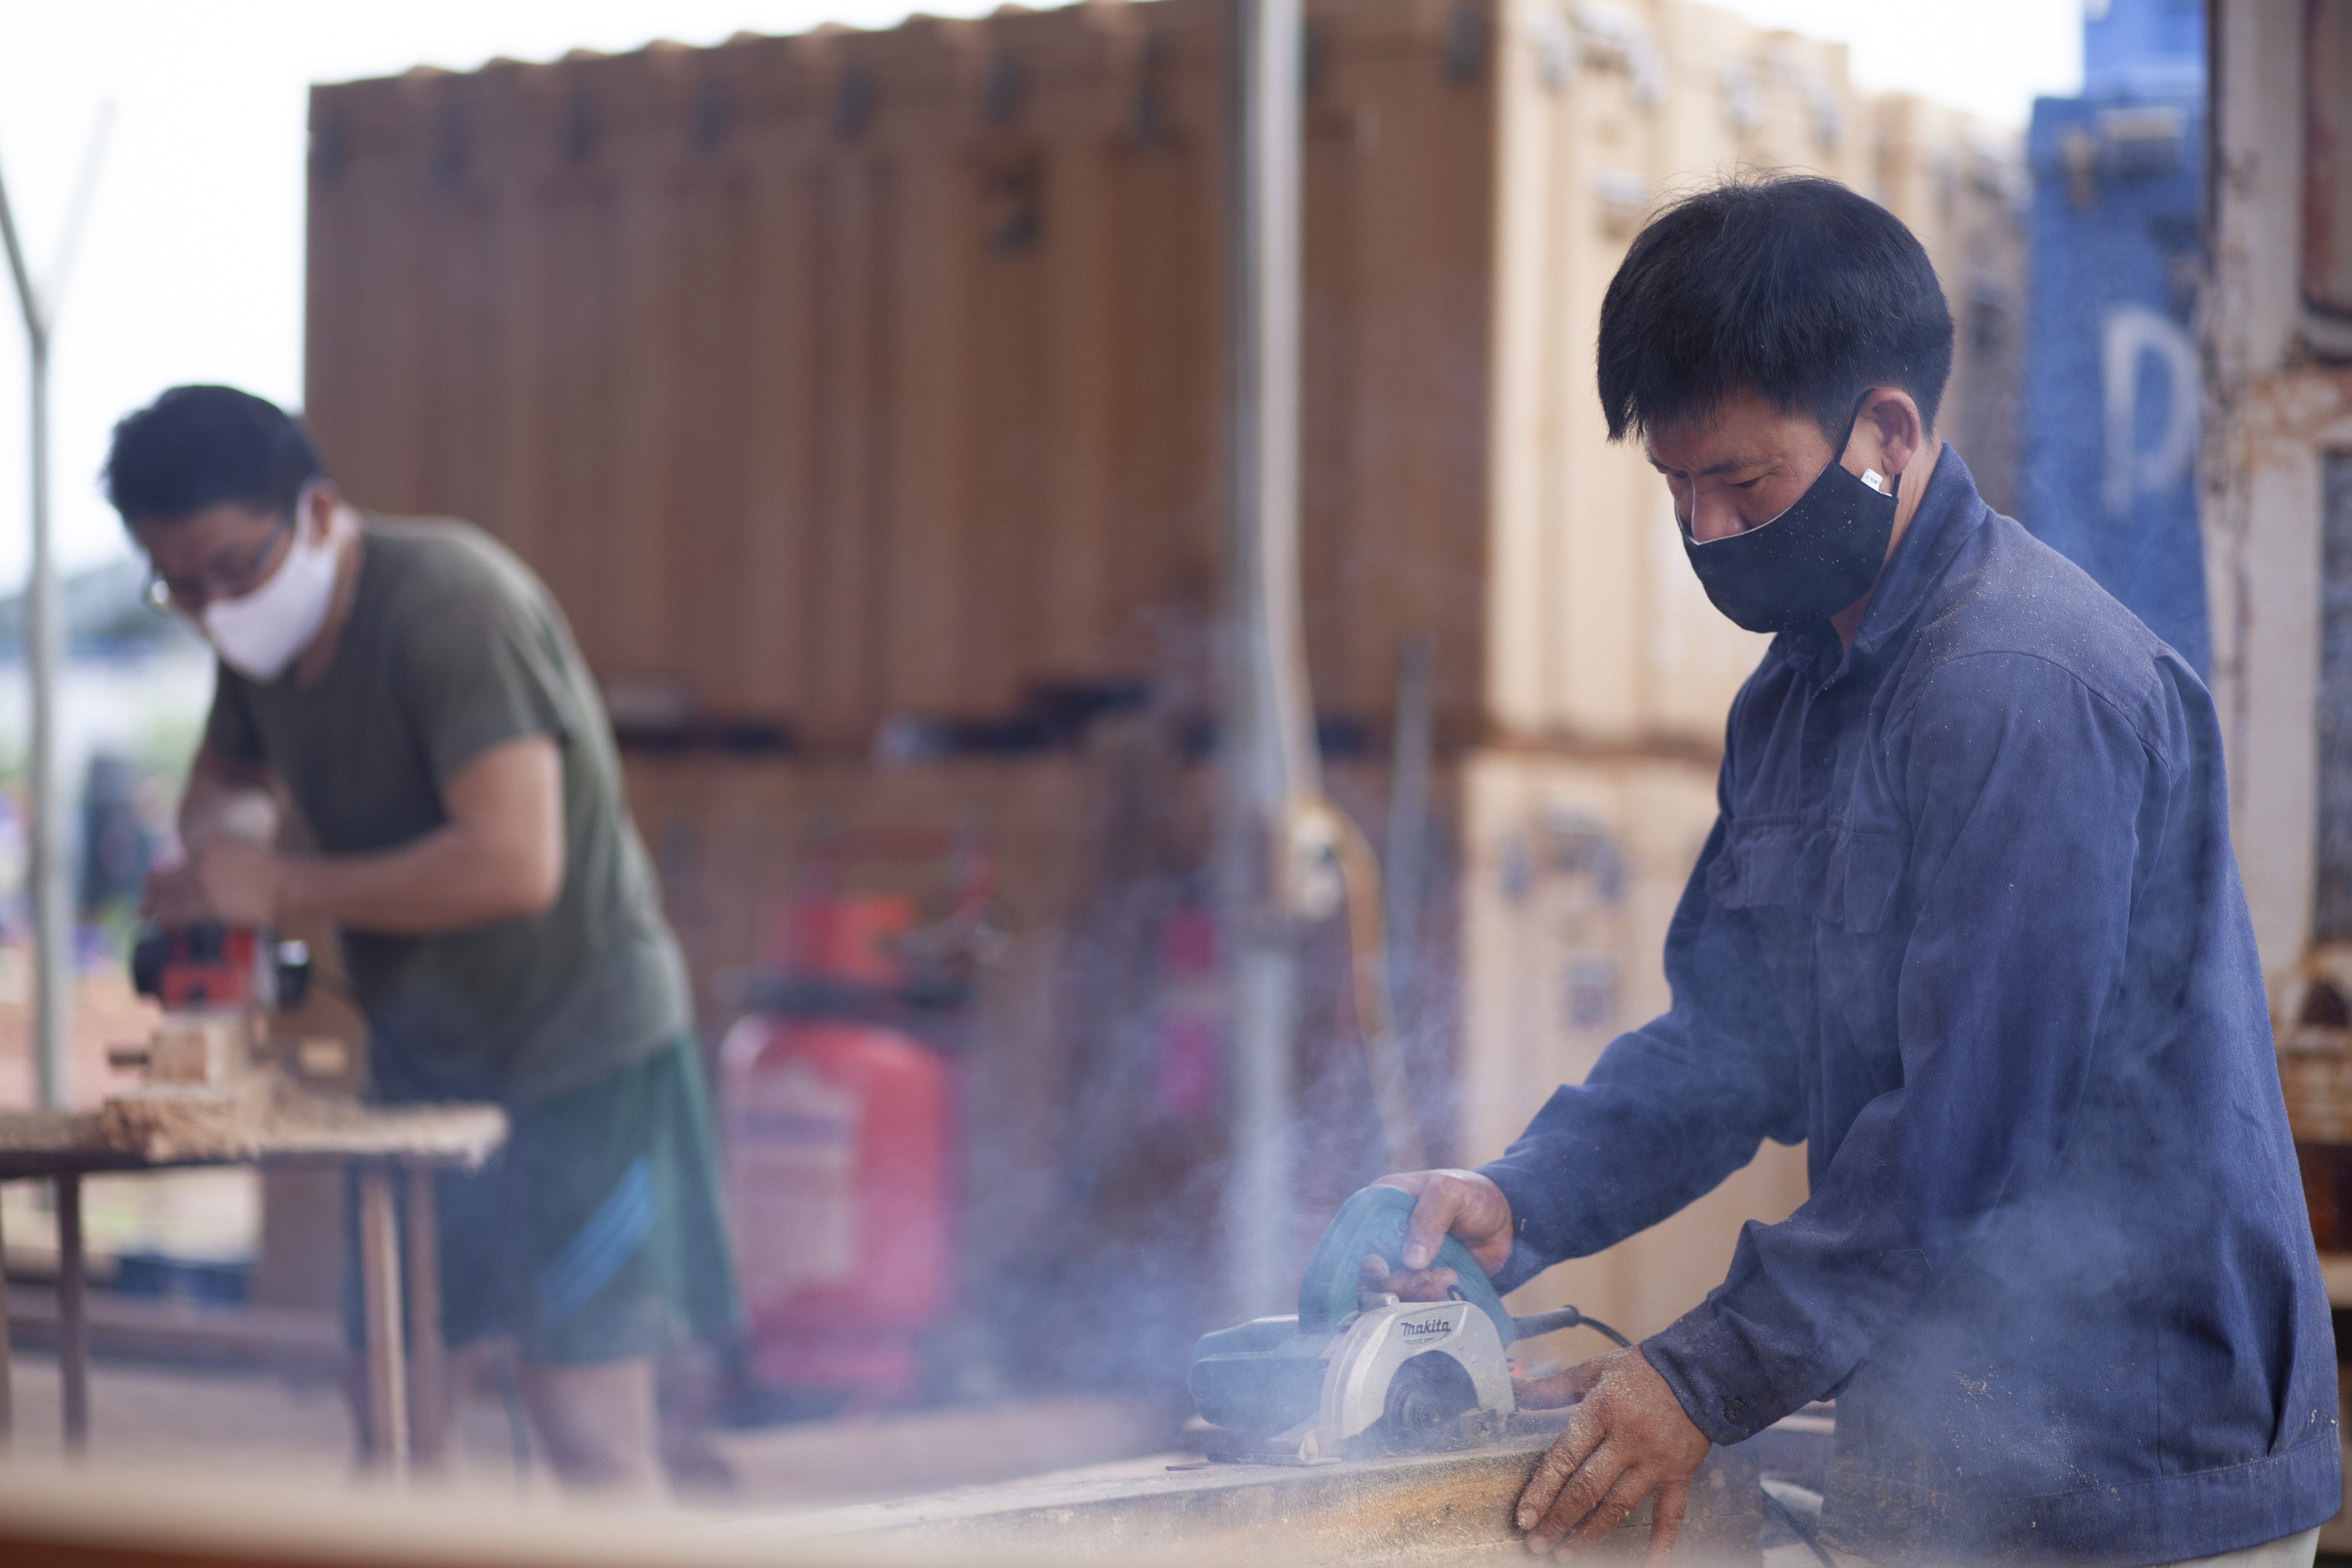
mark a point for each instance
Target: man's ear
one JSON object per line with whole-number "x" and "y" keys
{"x": 1893, "y": 414}
{"x": 319, "y": 508}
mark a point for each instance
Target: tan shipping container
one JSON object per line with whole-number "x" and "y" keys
{"x": 833, "y": 377}
{"x": 839, "y": 378}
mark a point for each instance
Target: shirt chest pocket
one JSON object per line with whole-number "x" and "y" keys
{"x": 1842, "y": 876}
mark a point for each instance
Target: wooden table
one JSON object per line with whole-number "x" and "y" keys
{"x": 283, "y": 1126}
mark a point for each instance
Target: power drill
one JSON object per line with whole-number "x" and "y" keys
{"x": 210, "y": 966}
{"x": 217, "y": 983}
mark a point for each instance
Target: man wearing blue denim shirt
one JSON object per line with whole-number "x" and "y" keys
{"x": 1970, "y": 926}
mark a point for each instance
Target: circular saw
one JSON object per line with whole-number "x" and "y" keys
{"x": 1358, "y": 1373}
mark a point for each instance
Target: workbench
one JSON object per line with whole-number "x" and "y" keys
{"x": 269, "y": 1124}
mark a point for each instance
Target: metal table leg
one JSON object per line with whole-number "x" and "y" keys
{"x": 428, "y": 1374}
{"x": 387, "y": 1381}
{"x": 73, "y": 1330}
{"x": 7, "y": 1380}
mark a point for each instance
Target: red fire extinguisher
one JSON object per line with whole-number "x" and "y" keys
{"x": 837, "y": 1118}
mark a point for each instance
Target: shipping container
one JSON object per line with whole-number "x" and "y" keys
{"x": 839, "y": 377}
{"x": 2115, "y": 389}
{"x": 863, "y": 398}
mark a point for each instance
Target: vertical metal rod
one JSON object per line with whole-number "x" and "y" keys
{"x": 50, "y": 862}
{"x": 428, "y": 1367}
{"x": 1259, "y": 1207}
{"x": 7, "y": 1369}
{"x": 1270, "y": 758}
{"x": 387, "y": 1380}
{"x": 45, "y": 654}
{"x": 1408, "y": 824}
{"x": 73, "y": 1328}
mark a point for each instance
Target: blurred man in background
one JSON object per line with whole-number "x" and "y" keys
{"x": 1968, "y": 927}
{"x": 412, "y": 690}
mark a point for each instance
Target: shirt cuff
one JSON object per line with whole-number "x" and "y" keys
{"x": 1724, "y": 1388}
{"x": 1524, "y": 1264}
{"x": 1530, "y": 1254}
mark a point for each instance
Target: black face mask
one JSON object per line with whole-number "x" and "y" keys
{"x": 1809, "y": 563}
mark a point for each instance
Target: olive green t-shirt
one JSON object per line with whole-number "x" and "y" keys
{"x": 452, "y": 647}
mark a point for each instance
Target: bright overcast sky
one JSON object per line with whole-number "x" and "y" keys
{"x": 191, "y": 266}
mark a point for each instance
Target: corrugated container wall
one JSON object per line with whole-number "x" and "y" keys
{"x": 1598, "y": 635}
{"x": 832, "y": 377}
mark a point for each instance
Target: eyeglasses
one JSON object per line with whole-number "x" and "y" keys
{"x": 191, "y": 594}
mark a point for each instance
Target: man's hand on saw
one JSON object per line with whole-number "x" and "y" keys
{"x": 1464, "y": 1202}
{"x": 227, "y": 879}
{"x": 1628, "y": 1439}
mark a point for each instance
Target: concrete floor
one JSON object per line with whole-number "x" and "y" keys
{"x": 244, "y": 1423}
{"x": 295, "y": 1430}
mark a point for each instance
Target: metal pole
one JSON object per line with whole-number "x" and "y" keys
{"x": 45, "y": 634}
{"x": 8, "y": 1368}
{"x": 45, "y": 653}
{"x": 1409, "y": 823}
{"x": 73, "y": 1324}
{"x": 1270, "y": 761}
{"x": 428, "y": 1359}
{"x": 387, "y": 1370}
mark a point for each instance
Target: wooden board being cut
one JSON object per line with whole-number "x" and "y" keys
{"x": 1422, "y": 1508}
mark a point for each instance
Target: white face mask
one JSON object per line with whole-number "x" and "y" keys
{"x": 259, "y": 633}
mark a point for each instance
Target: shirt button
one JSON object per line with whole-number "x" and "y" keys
{"x": 1736, "y": 1411}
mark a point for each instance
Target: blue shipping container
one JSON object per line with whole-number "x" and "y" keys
{"x": 2113, "y": 400}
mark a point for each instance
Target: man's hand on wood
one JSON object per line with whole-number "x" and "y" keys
{"x": 1627, "y": 1440}
{"x": 227, "y": 879}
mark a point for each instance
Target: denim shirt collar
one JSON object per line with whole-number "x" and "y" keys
{"x": 1949, "y": 514}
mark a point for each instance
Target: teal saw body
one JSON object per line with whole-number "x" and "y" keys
{"x": 1271, "y": 1374}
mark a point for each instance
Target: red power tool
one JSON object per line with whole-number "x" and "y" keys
{"x": 210, "y": 966}
{"x": 218, "y": 984}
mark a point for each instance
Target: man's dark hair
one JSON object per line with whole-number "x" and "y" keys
{"x": 1791, "y": 286}
{"x": 196, "y": 447}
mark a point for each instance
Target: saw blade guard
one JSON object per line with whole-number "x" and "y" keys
{"x": 1268, "y": 1375}
{"x": 1373, "y": 1221}
{"x": 1408, "y": 1371}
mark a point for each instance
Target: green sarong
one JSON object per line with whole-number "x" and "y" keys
{"x": 597, "y": 1234}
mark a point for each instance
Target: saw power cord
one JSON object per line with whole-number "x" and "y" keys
{"x": 1560, "y": 1318}
{"x": 1800, "y": 1519}
{"x": 1318, "y": 829}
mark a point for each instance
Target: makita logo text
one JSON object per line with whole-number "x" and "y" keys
{"x": 1427, "y": 1329}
